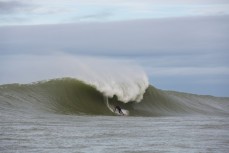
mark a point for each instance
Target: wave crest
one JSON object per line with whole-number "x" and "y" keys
{"x": 126, "y": 86}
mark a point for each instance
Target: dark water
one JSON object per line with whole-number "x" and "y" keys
{"x": 66, "y": 115}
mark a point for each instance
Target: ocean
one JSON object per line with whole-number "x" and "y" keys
{"x": 69, "y": 115}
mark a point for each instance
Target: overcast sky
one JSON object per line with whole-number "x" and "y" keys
{"x": 181, "y": 45}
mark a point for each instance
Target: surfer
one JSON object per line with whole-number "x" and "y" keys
{"x": 119, "y": 110}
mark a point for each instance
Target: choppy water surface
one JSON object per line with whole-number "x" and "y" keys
{"x": 108, "y": 134}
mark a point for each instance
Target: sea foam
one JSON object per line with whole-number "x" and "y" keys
{"x": 126, "y": 83}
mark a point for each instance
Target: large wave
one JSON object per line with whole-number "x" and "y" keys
{"x": 111, "y": 77}
{"x": 71, "y": 96}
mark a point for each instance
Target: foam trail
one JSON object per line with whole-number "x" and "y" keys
{"x": 107, "y": 104}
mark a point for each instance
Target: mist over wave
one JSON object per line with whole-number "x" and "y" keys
{"x": 111, "y": 77}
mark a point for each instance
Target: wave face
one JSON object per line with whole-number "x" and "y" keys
{"x": 71, "y": 96}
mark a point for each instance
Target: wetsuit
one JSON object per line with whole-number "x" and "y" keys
{"x": 119, "y": 109}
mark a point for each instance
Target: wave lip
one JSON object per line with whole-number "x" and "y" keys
{"x": 126, "y": 89}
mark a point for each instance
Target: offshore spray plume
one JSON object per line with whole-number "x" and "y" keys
{"x": 111, "y": 77}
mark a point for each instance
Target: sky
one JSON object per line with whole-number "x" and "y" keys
{"x": 181, "y": 45}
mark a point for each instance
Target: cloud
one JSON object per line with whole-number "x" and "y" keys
{"x": 99, "y": 15}
{"x": 189, "y": 71}
{"x": 62, "y": 11}
{"x": 12, "y": 12}
{"x": 137, "y": 37}
{"x": 7, "y": 7}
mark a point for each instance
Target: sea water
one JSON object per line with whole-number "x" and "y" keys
{"x": 46, "y": 133}
{"x": 67, "y": 115}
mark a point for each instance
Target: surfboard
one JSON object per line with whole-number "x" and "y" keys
{"x": 125, "y": 112}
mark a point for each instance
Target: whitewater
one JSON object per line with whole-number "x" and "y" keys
{"x": 69, "y": 110}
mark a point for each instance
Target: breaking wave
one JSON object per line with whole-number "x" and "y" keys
{"x": 72, "y": 96}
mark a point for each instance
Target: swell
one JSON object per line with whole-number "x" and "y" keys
{"x": 71, "y": 96}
